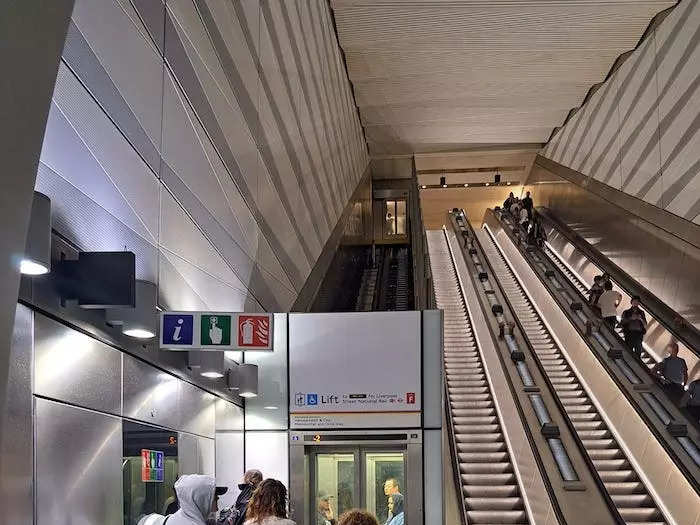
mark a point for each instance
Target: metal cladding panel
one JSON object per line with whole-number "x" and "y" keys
{"x": 73, "y": 367}
{"x": 78, "y": 465}
{"x": 229, "y": 417}
{"x": 206, "y": 455}
{"x": 16, "y": 453}
{"x": 187, "y": 454}
{"x": 432, "y": 369}
{"x": 197, "y": 410}
{"x": 229, "y": 464}
{"x": 150, "y": 395}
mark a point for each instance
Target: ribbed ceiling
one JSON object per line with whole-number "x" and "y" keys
{"x": 443, "y": 75}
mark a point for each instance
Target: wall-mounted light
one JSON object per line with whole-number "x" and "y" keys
{"x": 37, "y": 250}
{"x": 487, "y": 184}
{"x": 207, "y": 364}
{"x": 466, "y": 185}
{"x": 212, "y": 365}
{"x": 423, "y": 186}
{"x": 141, "y": 321}
{"x": 508, "y": 183}
{"x": 243, "y": 378}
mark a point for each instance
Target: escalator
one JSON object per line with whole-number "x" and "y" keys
{"x": 621, "y": 480}
{"x": 491, "y": 493}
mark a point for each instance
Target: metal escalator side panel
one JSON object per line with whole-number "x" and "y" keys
{"x": 645, "y": 457}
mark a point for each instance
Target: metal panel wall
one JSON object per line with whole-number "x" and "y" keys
{"x": 269, "y": 411}
{"x": 268, "y": 452}
{"x": 150, "y": 395}
{"x": 432, "y": 476}
{"x": 432, "y": 369}
{"x": 16, "y": 454}
{"x": 229, "y": 464}
{"x": 197, "y": 411}
{"x": 78, "y": 465}
{"x": 75, "y": 368}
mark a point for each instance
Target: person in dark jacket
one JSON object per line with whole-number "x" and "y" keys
{"x": 507, "y": 203}
{"x": 527, "y": 204}
{"x": 634, "y": 326}
{"x": 251, "y": 480}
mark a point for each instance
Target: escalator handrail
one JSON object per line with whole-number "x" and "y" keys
{"x": 579, "y": 443}
{"x": 664, "y": 314}
{"x": 643, "y": 414}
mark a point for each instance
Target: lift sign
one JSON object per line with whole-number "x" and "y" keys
{"x": 151, "y": 466}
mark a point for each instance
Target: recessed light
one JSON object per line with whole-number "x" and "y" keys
{"x": 270, "y": 407}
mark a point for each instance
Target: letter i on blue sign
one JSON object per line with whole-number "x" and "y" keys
{"x": 178, "y": 329}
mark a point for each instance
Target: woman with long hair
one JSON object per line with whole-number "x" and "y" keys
{"x": 268, "y": 506}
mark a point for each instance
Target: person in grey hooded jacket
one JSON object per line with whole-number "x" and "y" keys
{"x": 195, "y": 493}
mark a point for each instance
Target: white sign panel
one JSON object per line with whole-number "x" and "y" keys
{"x": 355, "y": 370}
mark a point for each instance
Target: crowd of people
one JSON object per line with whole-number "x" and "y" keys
{"x": 260, "y": 502}
{"x": 522, "y": 210}
{"x": 672, "y": 371}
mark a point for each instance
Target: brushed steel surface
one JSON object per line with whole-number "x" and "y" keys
{"x": 206, "y": 455}
{"x": 150, "y": 394}
{"x": 16, "y": 454}
{"x": 229, "y": 417}
{"x": 187, "y": 455}
{"x": 269, "y": 410}
{"x": 229, "y": 464}
{"x": 78, "y": 466}
{"x": 72, "y": 367}
{"x": 196, "y": 408}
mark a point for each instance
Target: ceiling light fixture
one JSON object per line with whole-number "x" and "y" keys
{"x": 37, "y": 249}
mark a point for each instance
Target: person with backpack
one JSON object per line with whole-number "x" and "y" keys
{"x": 634, "y": 326}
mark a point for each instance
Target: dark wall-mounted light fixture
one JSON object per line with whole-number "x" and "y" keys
{"x": 36, "y": 259}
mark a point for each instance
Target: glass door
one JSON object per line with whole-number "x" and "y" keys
{"x": 385, "y": 482}
{"x": 368, "y": 478}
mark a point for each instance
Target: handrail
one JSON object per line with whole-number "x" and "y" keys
{"x": 665, "y": 315}
{"x": 653, "y": 427}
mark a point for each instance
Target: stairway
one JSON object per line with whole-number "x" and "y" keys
{"x": 489, "y": 485}
{"x": 622, "y": 483}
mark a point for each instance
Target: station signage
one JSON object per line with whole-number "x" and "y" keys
{"x": 152, "y": 468}
{"x": 346, "y": 371}
{"x": 216, "y": 331}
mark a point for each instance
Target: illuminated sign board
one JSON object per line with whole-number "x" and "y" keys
{"x": 152, "y": 466}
